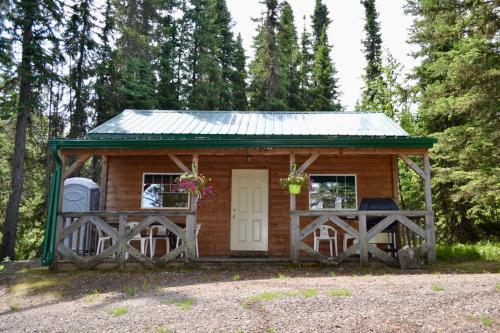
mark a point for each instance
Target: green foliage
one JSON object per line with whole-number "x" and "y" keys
{"x": 119, "y": 311}
{"x": 464, "y": 252}
{"x": 340, "y": 293}
{"x": 373, "y": 51}
{"x": 295, "y": 178}
{"x": 458, "y": 85}
{"x": 266, "y": 82}
{"x": 324, "y": 91}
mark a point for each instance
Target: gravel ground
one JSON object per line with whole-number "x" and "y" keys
{"x": 248, "y": 298}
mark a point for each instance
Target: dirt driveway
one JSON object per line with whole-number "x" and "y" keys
{"x": 249, "y": 298}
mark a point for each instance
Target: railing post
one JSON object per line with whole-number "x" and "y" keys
{"x": 363, "y": 240}
{"x": 429, "y": 218}
{"x": 59, "y": 225}
{"x": 122, "y": 240}
{"x": 191, "y": 230}
{"x": 294, "y": 238}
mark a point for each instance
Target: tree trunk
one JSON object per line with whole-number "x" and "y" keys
{"x": 25, "y": 105}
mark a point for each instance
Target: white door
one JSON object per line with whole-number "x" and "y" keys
{"x": 249, "y": 210}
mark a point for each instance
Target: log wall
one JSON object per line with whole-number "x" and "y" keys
{"x": 124, "y": 182}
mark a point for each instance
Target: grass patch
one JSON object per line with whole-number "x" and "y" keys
{"x": 464, "y": 252}
{"x": 281, "y": 276}
{"x": 120, "y": 311}
{"x": 94, "y": 294}
{"x": 183, "y": 304}
{"x": 486, "y": 321}
{"x": 146, "y": 285}
{"x": 333, "y": 274}
{"x": 497, "y": 286}
{"x": 340, "y": 293}
{"x": 129, "y": 290}
{"x": 2, "y": 267}
{"x": 268, "y": 296}
{"x": 27, "y": 285}
{"x": 309, "y": 292}
{"x": 437, "y": 287}
{"x": 164, "y": 330}
{"x": 14, "y": 306}
{"x": 236, "y": 277}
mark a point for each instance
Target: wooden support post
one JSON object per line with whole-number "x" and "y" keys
{"x": 294, "y": 223}
{"x": 295, "y": 239}
{"x": 429, "y": 218}
{"x": 363, "y": 241}
{"x": 59, "y": 226}
{"x": 190, "y": 237}
{"x": 122, "y": 240}
{"x": 104, "y": 181}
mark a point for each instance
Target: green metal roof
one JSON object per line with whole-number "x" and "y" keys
{"x": 140, "y": 124}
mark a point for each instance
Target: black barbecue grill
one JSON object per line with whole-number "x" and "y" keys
{"x": 371, "y": 221}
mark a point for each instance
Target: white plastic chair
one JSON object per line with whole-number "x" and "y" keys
{"x": 101, "y": 241}
{"x": 161, "y": 234}
{"x": 324, "y": 235}
{"x": 179, "y": 241}
{"x": 143, "y": 239}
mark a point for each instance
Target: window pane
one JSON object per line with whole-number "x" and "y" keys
{"x": 333, "y": 192}
{"x": 160, "y": 191}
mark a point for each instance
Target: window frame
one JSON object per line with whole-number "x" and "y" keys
{"x": 164, "y": 208}
{"x": 336, "y": 174}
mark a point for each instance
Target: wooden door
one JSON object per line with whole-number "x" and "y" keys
{"x": 249, "y": 210}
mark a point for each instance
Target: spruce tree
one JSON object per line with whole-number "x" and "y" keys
{"x": 136, "y": 86}
{"x": 79, "y": 46}
{"x": 105, "y": 87}
{"x": 325, "y": 91}
{"x": 31, "y": 26}
{"x": 372, "y": 49}
{"x": 305, "y": 69}
{"x": 205, "y": 73}
{"x": 458, "y": 104}
{"x": 238, "y": 78}
{"x": 225, "y": 53}
{"x": 320, "y": 20}
{"x": 267, "y": 90}
{"x": 289, "y": 57}
{"x": 168, "y": 89}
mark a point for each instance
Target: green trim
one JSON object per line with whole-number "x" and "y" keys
{"x": 49, "y": 239}
{"x": 244, "y": 141}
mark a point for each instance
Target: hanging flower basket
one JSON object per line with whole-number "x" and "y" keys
{"x": 294, "y": 188}
{"x": 194, "y": 183}
{"x": 294, "y": 181}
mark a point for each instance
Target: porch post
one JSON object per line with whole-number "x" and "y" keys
{"x": 294, "y": 223}
{"x": 104, "y": 180}
{"x": 191, "y": 221}
{"x": 363, "y": 240}
{"x": 429, "y": 218}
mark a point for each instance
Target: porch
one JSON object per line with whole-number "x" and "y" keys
{"x": 355, "y": 238}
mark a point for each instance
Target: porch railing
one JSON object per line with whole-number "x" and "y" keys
{"x": 361, "y": 236}
{"x": 76, "y": 236}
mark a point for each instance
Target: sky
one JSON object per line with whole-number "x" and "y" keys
{"x": 344, "y": 34}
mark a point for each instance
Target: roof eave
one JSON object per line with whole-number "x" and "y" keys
{"x": 248, "y": 142}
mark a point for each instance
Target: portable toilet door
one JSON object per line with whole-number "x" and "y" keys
{"x": 80, "y": 195}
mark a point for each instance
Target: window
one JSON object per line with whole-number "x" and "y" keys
{"x": 333, "y": 192}
{"x": 159, "y": 190}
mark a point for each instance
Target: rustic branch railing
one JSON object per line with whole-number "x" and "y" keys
{"x": 361, "y": 236}
{"x": 69, "y": 224}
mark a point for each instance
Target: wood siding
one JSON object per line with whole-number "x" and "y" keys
{"x": 375, "y": 178}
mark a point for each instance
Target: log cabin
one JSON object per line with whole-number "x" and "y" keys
{"x": 353, "y": 155}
